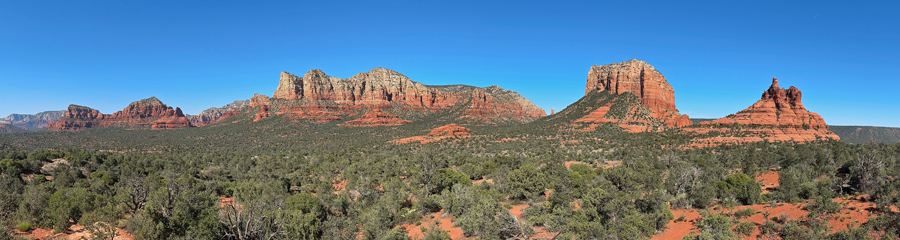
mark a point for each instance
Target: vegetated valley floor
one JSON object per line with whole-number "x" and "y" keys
{"x": 299, "y": 180}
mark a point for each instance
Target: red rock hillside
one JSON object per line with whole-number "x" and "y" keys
{"x": 147, "y": 112}
{"x": 779, "y": 115}
{"x": 384, "y": 97}
{"x": 644, "y": 81}
{"x": 213, "y": 114}
{"x": 449, "y": 131}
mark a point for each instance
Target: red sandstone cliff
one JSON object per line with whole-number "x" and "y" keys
{"x": 779, "y": 115}
{"x": 642, "y": 80}
{"x": 385, "y": 97}
{"x": 147, "y": 112}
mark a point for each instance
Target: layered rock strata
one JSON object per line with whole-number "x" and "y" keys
{"x": 213, "y": 114}
{"x": 148, "y": 112}
{"x": 385, "y": 97}
{"x": 779, "y": 115}
{"x": 642, "y": 80}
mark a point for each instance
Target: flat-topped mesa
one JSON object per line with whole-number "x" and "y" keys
{"x": 321, "y": 98}
{"x": 642, "y": 80}
{"x": 147, "y": 112}
{"x": 776, "y": 107}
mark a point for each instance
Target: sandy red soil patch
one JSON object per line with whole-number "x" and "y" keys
{"x": 488, "y": 180}
{"x": 612, "y": 164}
{"x": 339, "y": 186}
{"x": 439, "y": 220}
{"x": 768, "y": 181}
{"x": 569, "y": 163}
{"x": 75, "y": 232}
{"x": 539, "y": 232}
{"x": 854, "y": 211}
{"x": 677, "y": 230}
{"x": 449, "y": 131}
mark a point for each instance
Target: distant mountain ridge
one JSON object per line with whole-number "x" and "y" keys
{"x": 862, "y": 134}
{"x": 32, "y": 122}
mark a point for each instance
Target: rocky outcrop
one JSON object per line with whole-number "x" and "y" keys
{"x": 171, "y": 120}
{"x": 375, "y": 117}
{"x": 320, "y": 98}
{"x": 777, "y": 107}
{"x": 779, "y": 115}
{"x": 642, "y": 80}
{"x": 213, "y": 114}
{"x": 262, "y": 102}
{"x": 77, "y": 118}
{"x": 147, "y": 112}
{"x": 32, "y": 122}
{"x": 449, "y": 131}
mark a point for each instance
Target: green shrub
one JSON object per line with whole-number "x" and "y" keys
{"x": 24, "y": 227}
{"x": 746, "y": 212}
{"x": 745, "y": 228}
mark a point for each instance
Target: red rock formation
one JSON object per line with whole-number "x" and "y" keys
{"x": 261, "y": 101}
{"x": 214, "y": 114}
{"x": 449, "y": 131}
{"x": 77, "y": 118}
{"x": 642, "y": 80}
{"x": 145, "y": 112}
{"x": 322, "y": 98}
{"x": 779, "y": 115}
{"x": 776, "y": 107}
{"x": 171, "y": 120}
{"x": 376, "y": 117}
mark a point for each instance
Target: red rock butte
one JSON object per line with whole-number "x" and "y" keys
{"x": 384, "y": 97}
{"x": 644, "y": 81}
{"x": 779, "y": 115}
{"x": 147, "y": 112}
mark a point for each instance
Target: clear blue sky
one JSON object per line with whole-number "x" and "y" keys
{"x": 718, "y": 55}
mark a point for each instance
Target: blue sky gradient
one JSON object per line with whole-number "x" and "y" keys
{"x": 718, "y": 55}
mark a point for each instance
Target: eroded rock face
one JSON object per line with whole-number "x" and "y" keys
{"x": 321, "y": 98}
{"x": 642, "y": 80}
{"x": 171, "y": 120}
{"x": 779, "y": 115}
{"x": 147, "y": 112}
{"x": 77, "y": 118}
{"x": 375, "y": 117}
{"x": 777, "y": 107}
{"x": 450, "y": 130}
{"x": 213, "y": 114}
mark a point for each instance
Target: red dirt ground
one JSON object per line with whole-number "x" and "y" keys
{"x": 854, "y": 211}
{"x": 436, "y": 219}
{"x": 75, "y": 232}
{"x": 768, "y": 181}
